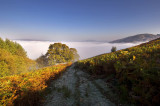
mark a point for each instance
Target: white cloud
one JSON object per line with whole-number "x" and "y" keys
{"x": 85, "y": 49}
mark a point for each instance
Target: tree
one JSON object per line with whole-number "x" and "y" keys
{"x": 74, "y": 54}
{"x": 13, "y": 47}
{"x": 13, "y": 58}
{"x": 60, "y": 53}
{"x": 113, "y": 49}
{"x": 2, "y": 43}
{"x": 42, "y": 61}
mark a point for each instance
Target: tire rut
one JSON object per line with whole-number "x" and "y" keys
{"x": 76, "y": 88}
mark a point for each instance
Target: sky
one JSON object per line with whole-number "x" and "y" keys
{"x": 78, "y": 20}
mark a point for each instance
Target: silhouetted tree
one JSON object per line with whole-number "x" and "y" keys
{"x": 113, "y": 49}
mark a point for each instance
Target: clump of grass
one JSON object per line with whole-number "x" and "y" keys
{"x": 77, "y": 91}
{"x": 58, "y": 89}
{"x": 66, "y": 92}
{"x": 87, "y": 90}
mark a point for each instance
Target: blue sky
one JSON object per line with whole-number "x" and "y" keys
{"x": 78, "y": 19}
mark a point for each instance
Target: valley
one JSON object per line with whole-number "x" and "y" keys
{"x": 79, "y": 52}
{"x": 128, "y": 76}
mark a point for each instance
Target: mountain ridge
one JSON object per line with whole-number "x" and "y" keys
{"x": 137, "y": 38}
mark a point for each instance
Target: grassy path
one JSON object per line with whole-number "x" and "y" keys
{"x": 76, "y": 88}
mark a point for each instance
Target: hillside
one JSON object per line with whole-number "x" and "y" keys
{"x": 28, "y": 89}
{"x": 136, "y": 72}
{"x": 13, "y": 59}
{"x": 137, "y": 38}
{"x": 126, "y": 77}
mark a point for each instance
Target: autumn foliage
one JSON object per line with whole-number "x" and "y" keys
{"x": 13, "y": 59}
{"x": 27, "y": 89}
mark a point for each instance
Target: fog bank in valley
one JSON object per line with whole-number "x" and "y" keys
{"x": 85, "y": 49}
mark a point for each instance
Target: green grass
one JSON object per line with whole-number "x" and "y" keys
{"x": 66, "y": 92}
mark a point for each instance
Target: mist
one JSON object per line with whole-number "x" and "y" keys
{"x": 85, "y": 49}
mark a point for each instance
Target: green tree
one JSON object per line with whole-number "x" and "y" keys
{"x": 74, "y": 55}
{"x": 113, "y": 49}
{"x": 13, "y": 59}
{"x": 60, "y": 53}
{"x": 2, "y": 43}
{"x": 13, "y": 47}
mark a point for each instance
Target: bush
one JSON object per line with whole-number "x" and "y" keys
{"x": 113, "y": 49}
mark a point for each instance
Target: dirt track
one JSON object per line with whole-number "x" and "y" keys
{"x": 76, "y": 88}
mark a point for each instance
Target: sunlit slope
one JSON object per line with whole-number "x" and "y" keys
{"x": 13, "y": 59}
{"x": 28, "y": 89}
{"x": 137, "y": 70}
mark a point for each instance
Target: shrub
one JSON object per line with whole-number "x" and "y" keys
{"x": 113, "y": 49}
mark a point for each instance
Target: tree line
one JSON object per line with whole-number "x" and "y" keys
{"x": 13, "y": 58}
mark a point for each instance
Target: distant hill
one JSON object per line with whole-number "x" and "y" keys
{"x": 137, "y": 38}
